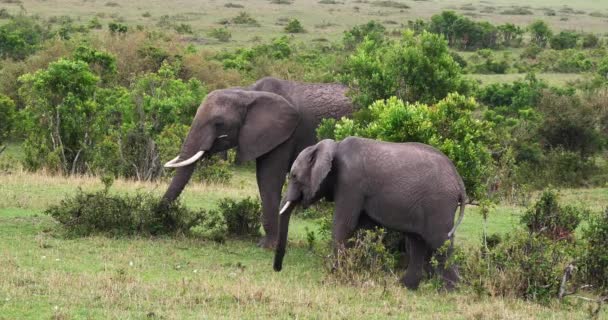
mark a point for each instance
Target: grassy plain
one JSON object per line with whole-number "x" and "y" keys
{"x": 322, "y": 21}
{"x": 45, "y": 275}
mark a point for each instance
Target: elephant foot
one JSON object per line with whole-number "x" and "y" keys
{"x": 268, "y": 242}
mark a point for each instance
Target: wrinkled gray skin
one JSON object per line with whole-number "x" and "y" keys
{"x": 269, "y": 122}
{"x": 408, "y": 187}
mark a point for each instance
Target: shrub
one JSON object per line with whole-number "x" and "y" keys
{"x": 548, "y": 218}
{"x": 117, "y": 28}
{"x": 99, "y": 212}
{"x": 221, "y": 34}
{"x": 184, "y": 28}
{"x": 590, "y": 40}
{"x": 381, "y": 70}
{"x": 522, "y": 265}
{"x": 390, "y": 4}
{"x": 242, "y": 217}
{"x": 233, "y": 5}
{"x": 212, "y": 226}
{"x": 372, "y": 30}
{"x": 366, "y": 260}
{"x": 246, "y": 19}
{"x": 7, "y": 114}
{"x": 564, "y": 40}
{"x": 520, "y": 11}
{"x": 281, "y": 1}
{"x": 20, "y": 37}
{"x": 593, "y": 265}
{"x": 294, "y": 26}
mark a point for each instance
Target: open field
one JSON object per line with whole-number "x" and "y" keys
{"x": 47, "y": 276}
{"x": 322, "y": 21}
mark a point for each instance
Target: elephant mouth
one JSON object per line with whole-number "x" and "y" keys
{"x": 176, "y": 163}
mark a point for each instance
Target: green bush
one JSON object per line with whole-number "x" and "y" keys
{"x": 590, "y": 40}
{"x": 221, "y": 34}
{"x": 366, "y": 260}
{"x": 522, "y": 265}
{"x": 7, "y": 114}
{"x": 21, "y": 36}
{"x": 212, "y": 226}
{"x": 372, "y": 30}
{"x": 100, "y": 212}
{"x": 294, "y": 26}
{"x": 245, "y": 19}
{"x": 242, "y": 217}
{"x": 593, "y": 265}
{"x": 417, "y": 68}
{"x": 564, "y": 40}
{"x": 548, "y": 218}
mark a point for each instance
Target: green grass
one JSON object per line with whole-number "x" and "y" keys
{"x": 555, "y": 79}
{"x": 45, "y": 275}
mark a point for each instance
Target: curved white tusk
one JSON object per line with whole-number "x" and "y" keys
{"x": 222, "y": 136}
{"x": 285, "y": 207}
{"x": 172, "y": 161}
{"x": 192, "y": 159}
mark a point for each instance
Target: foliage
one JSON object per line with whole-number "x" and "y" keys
{"x": 541, "y": 33}
{"x": 61, "y": 115}
{"x": 570, "y": 123}
{"x": 449, "y": 126}
{"x": 100, "y": 212}
{"x": 464, "y": 33}
{"x": 242, "y": 217}
{"x": 366, "y": 259}
{"x": 590, "y": 40}
{"x": 593, "y": 264}
{"x": 415, "y": 68}
{"x": 7, "y": 114}
{"x": 553, "y": 221}
{"x": 294, "y": 26}
{"x": 21, "y": 37}
{"x": 372, "y": 30}
{"x": 117, "y": 28}
{"x": 564, "y": 40}
{"x": 522, "y": 265}
{"x": 221, "y": 34}
{"x": 246, "y": 19}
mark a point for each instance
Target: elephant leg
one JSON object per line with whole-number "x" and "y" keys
{"x": 417, "y": 256}
{"x": 346, "y": 220}
{"x": 270, "y": 173}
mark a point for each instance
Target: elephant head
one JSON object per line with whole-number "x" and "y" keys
{"x": 254, "y": 122}
{"x": 310, "y": 180}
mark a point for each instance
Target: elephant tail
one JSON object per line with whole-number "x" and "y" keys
{"x": 460, "y": 215}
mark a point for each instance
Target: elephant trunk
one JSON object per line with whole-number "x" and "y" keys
{"x": 179, "y": 181}
{"x": 283, "y": 229}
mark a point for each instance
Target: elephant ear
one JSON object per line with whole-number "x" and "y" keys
{"x": 321, "y": 159}
{"x": 270, "y": 120}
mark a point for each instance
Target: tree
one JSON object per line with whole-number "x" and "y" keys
{"x": 510, "y": 34}
{"x": 372, "y": 30}
{"x": 7, "y": 114}
{"x": 541, "y": 33}
{"x": 415, "y": 68}
{"x": 62, "y": 115}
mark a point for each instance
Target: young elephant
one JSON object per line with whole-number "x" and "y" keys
{"x": 409, "y": 187}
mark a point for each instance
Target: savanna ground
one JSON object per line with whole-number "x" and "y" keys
{"x": 46, "y": 275}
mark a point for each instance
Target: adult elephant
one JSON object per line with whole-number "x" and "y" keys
{"x": 409, "y": 187}
{"x": 270, "y": 122}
